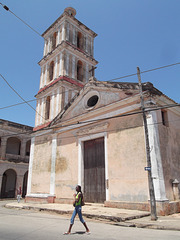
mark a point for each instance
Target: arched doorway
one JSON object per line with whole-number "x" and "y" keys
{"x": 24, "y": 190}
{"x": 8, "y": 187}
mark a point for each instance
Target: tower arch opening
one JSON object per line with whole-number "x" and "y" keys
{"x": 47, "y": 109}
{"x": 80, "y": 40}
{"x": 51, "y": 71}
{"x": 80, "y": 71}
{"x": 54, "y": 41}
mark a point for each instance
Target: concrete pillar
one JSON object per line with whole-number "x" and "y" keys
{"x": 23, "y": 148}
{"x": 46, "y": 73}
{"x": 63, "y": 32}
{"x": 73, "y": 66}
{"x": 87, "y": 72}
{"x": 55, "y": 70}
{"x": 175, "y": 184}
{"x": 37, "y": 113}
{"x": 30, "y": 166}
{"x": 57, "y": 102}
{"x": 66, "y": 96}
{"x": 49, "y": 44}
{"x": 74, "y": 35}
{"x": 67, "y": 31}
{"x": 67, "y": 65}
{"x": 42, "y": 110}
{"x": 156, "y": 162}
{"x": 3, "y": 147}
{"x": 52, "y": 106}
{"x": 63, "y": 64}
{"x": 60, "y": 64}
{"x": 59, "y": 41}
{"x": 45, "y": 47}
{"x": 42, "y": 78}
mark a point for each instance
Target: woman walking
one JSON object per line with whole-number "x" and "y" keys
{"x": 78, "y": 199}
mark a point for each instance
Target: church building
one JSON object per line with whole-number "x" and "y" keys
{"x": 91, "y": 133}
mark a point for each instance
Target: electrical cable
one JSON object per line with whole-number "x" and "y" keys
{"x": 102, "y": 119}
{"x": 146, "y": 71}
{"x": 7, "y": 9}
{"x": 97, "y": 132}
{"x": 19, "y": 94}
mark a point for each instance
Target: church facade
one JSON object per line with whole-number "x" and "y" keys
{"x": 91, "y": 133}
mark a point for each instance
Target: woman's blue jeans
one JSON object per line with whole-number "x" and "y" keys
{"x": 77, "y": 210}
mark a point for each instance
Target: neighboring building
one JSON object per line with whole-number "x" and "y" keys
{"x": 91, "y": 132}
{"x": 15, "y": 141}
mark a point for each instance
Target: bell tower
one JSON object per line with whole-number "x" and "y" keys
{"x": 66, "y": 66}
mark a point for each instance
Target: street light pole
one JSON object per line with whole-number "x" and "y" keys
{"x": 150, "y": 180}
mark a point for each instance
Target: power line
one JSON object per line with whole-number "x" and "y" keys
{"x": 146, "y": 71}
{"x": 122, "y": 115}
{"x": 19, "y": 94}
{"x": 31, "y": 100}
{"x": 81, "y": 135}
{"x": 118, "y": 116}
{"x": 7, "y": 9}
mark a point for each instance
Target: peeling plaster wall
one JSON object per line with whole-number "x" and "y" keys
{"x": 128, "y": 181}
{"x": 170, "y": 150}
{"x": 66, "y": 166}
{"x": 42, "y": 165}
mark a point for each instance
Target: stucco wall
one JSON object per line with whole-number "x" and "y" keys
{"x": 66, "y": 166}
{"x": 41, "y": 165}
{"x": 126, "y": 159}
{"x": 170, "y": 150}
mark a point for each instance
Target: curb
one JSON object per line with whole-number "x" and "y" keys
{"x": 117, "y": 221}
{"x": 147, "y": 226}
{"x": 87, "y": 215}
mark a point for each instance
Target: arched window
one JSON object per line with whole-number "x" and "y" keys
{"x": 80, "y": 40}
{"x": 47, "y": 109}
{"x": 79, "y": 71}
{"x": 51, "y": 71}
{"x": 13, "y": 146}
{"x": 28, "y": 145}
{"x": 54, "y": 40}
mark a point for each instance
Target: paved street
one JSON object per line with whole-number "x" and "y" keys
{"x": 30, "y": 224}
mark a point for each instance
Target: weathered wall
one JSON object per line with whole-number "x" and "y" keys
{"x": 170, "y": 150}
{"x": 41, "y": 165}
{"x": 127, "y": 159}
{"x": 66, "y": 166}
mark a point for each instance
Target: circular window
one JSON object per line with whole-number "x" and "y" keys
{"x": 92, "y": 101}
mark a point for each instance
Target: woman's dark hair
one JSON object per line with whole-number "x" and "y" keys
{"x": 79, "y": 187}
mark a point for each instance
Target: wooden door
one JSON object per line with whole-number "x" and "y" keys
{"x": 94, "y": 171}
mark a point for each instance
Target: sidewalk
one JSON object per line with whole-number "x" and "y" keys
{"x": 120, "y": 217}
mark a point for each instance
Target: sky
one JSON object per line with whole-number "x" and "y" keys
{"x": 131, "y": 33}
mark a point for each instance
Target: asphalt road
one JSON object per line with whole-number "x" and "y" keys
{"x": 27, "y": 225}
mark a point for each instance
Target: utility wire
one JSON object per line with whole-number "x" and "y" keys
{"x": 7, "y": 9}
{"x": 19, "y": 94}
{"x": 146, "y": 71}
{"x": 83, "y": 134}
{"x": 101, "y": 119}
{"x": 126, "y": 76}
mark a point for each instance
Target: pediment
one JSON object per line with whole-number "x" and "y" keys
{"x": 96, "y": 95}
